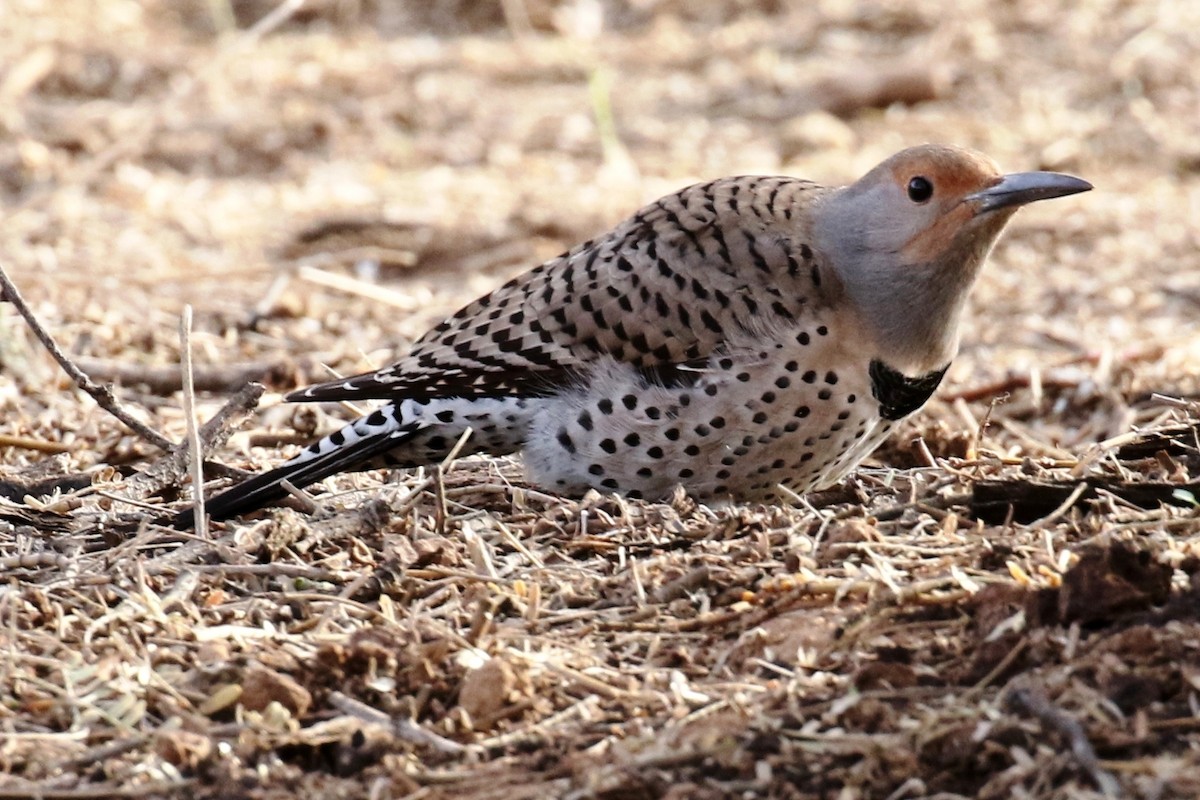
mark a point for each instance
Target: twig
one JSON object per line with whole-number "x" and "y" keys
{"x": 102, "y": 792}
{"x": 273, "y": 570}
{"x": 1012, "y": 383}
{"x": 1061, "y": 376}
{"x": 307, "y": 504}
{"x": 1032, "y": 700}
{"x": 37, "y": 445}
{"x": 97, "y": 755}
{"x": 167, "y": 470}
{"x": 1063, "y": 507}
{"x": 166, "y": 380}
{"x": 681, "y": 586}
{"x": 196, "y": 462}
{"x": 359, "y": 288}
{"x": 406, "y": 729}
{"x": 995, "y": 672}
{"x": 539, "y": 732}
{"x": 103, "y": 395}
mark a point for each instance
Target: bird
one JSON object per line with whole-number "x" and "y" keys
{"x": 745, "y": 338}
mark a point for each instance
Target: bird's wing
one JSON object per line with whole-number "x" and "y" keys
{"x": 661, "y": 290}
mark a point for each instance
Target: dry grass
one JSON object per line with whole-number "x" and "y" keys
{"x": 324, "y": 190}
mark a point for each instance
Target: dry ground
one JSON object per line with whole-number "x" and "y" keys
{"x": 956, "y": 621}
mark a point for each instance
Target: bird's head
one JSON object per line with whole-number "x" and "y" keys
{"x": 907, "y": 239}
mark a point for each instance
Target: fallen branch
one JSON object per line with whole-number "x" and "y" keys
{"x": 164, "y": 381}
{"x": 103, "y": 395}
{"x": 1031, "y": 700}
{"x": 170, "y": 469}
{"x": 1177, "y": 440}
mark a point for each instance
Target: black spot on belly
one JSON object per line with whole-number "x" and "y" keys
{"x": 898, "y": 394}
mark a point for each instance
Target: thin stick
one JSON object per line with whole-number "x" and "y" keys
{"x": 103, "y": 395}
{"x": 407, "y": 729}
{"x": 165, "y": 380}
{"x": 359, "y": 288}
{"x": 196, "y": 461}
{"x": 1063, "y": 508}
{"x": 1032, "y": 700}
{"x": 37, "y": 445}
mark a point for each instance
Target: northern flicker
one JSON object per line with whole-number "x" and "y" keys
{"x": 735, "y": 337}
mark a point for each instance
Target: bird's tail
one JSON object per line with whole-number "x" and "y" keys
{"x": 344, "y": 450}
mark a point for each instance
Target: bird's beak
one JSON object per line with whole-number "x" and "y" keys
{"x": 1020, "y": 188}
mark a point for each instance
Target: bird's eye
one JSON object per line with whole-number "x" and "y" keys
{"x": 920, "y": 189}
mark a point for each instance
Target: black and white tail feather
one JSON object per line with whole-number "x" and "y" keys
{"x": 345, "y": 450}
{"x": 404, "y": 433}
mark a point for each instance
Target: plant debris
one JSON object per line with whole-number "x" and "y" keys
{"x": 1003, "y": 603}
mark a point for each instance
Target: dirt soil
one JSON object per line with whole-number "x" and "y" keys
{"x": 1004, "y": 603}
